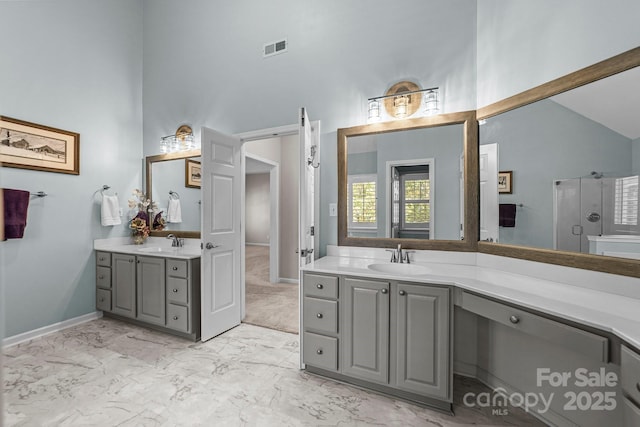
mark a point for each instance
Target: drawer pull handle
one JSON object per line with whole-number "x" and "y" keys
{"x": 174, "y": 268}
{"x": 130, "y": 261}
{"x": 514, "y": 319}
{"x": 402, "y": 293}
{"x": 319, "y": 286}
{"x": 101, "y": 259}
{"x": 319, "y": 315}
{"x": 175, "y": 290}
{"x": 101, "y": 277}
{"x": 175, "y": 317}
{"x": 319, "y": 351}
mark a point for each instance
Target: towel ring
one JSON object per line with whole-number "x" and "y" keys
{"x": 175, "y": 195}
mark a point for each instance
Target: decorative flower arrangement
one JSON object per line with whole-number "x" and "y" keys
{"x": 159, "y": 222}
{"x": 139, "y": 225}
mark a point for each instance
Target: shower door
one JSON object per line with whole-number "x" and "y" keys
{"x": 578, "y": 213}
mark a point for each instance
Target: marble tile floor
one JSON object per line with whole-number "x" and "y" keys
{"x": 109, "y": 373}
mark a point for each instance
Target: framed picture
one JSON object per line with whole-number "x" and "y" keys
{"x": 192, "y": 174}
{"x": 505, "y": 182}
{"x": 27, "y": 145}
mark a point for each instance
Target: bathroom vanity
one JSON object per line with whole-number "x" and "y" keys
{"x": 404, "y": 330}
{"x": 153, "y": 286}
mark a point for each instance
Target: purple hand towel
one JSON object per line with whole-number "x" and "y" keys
{"x": 16, "y": 203}
{"x": 507, "y": 215}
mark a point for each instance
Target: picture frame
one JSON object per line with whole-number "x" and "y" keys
{"x": 505, "y": 182}
{"x": 192, "y": 174}
{"x": 26, "y": 145}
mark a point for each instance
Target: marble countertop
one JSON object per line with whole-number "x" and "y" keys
{"x": 606, "y": 311}
{"x": 154, "y": 246}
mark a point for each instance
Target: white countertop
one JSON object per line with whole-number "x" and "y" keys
{"x": 618, "y": 314}
{"x": 154, "y": 246}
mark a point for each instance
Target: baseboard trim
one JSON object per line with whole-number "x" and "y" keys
{"x": 465, "y": 369}
{"x": 287, "y": 280}
{"x": 46, "y": 330}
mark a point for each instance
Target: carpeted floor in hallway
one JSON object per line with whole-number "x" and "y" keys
{"x": 272, "y": 305}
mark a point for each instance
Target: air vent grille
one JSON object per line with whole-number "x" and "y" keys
{"x": 274, "y": 48}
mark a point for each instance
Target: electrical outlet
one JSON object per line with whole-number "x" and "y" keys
{"x": 333, "y": 209}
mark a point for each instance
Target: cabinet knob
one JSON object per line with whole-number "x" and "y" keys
{"x": 174, "y": 268}
{"x": 175, "y": 317}
{"x": 384, "y": 290}
{"x": 138, "y": 261}
{"x": 101, "y": 277}
{"x": 319, "y": 286}
{"x": 514, "y": 319}
{"x": 638, "y": 386}
{"x": 319, "y": 351}
{"x": 101, "y": 258}
{"x": 319, "y": 315}
{"x": 402, "y": 293}
{"x": 131, "y": 260}
{"x": 102, "y": 299}
{"x": 175, "y": 290}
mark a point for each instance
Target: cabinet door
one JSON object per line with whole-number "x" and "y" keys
{"x": 422, "y": 326}
{"x": 365, "y": 328}
{"x": 123, "y": 273}
{"x": 151, "y": 290}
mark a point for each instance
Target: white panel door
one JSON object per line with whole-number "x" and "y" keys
{"x": 489, "y": 192}
{"x": 221, "y": 236}
{"x": 309, "y": 160}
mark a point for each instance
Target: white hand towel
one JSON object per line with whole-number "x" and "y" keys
{"x": 110, "y": 210}
{"x": 174, "y": 211}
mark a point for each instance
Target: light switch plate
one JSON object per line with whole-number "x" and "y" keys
{"x": 333, "y": 209}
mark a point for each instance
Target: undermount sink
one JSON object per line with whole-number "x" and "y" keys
{"x": 397, "y": 268}
{"x": 158, "y": 249}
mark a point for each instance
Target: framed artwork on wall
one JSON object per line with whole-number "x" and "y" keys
{"x": 192, "y": 174}
{"x": 505, "y": 182}
{"x": 32, "y": 146}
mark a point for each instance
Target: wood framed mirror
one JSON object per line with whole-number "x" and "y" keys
{"x": 167, "y": 173}
{"x": 412, "y": 182}
{"x": 549, "y": 114}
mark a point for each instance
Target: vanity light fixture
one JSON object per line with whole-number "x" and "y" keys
{"x": 403, "y": 100}
{"x": 181, "y": 141}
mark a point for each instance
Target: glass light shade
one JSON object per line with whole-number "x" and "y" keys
{"x": 401, "y": 103}
{"x": 374, "y": 110}
{"x": 431, "y": 102}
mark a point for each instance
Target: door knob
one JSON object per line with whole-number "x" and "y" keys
{"x": 210, "y": 245}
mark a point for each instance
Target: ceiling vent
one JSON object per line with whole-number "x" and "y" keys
{"x": 274, "y": 48}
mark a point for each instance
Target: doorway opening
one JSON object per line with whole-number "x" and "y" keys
{"x": 271, "y": 229}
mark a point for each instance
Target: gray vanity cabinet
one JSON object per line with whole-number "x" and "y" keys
{"x": 420, "y": 338}
{"x": 365, "y": 349}
{"x": 123, "y": 273}
{"x": 151, "y": 301}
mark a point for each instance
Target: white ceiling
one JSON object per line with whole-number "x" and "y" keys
{"x": 254, "y": 166}
{"x": 613, "y": 102}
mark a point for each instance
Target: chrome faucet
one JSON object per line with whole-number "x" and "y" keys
{"x": 176, "y": 243}
{"x": 399, "y": 255}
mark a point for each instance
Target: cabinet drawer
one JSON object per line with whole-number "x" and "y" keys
{"x": 178, "y": 317}
{"x": 630, "y": 413}
{"x": 320, "y": 351}
{"x": 630, "y": 372}
{"x": 103, "y": 258}
{"x": 103, "y": 299}
{"x": 320, "y": 315}
{"x": 575, "y": 339}
{"x": 177, "y": 290}
{"x": 316, "y": 285}
{"x": 103, "y": 277}
{"x": 177, "y": 268}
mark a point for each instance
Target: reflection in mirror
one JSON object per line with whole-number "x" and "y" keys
{"x": 181, "y": 210}
{"x": 167, "y": 173}
{"x": 575, "y": 159}
{"x": 392, "y": 189}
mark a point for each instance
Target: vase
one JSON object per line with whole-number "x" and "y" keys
{"x": 138, "y": 239}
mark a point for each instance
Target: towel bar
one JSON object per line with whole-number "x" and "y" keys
{"x": 39, "y": 194}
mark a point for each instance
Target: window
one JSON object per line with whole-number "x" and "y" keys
{"x": 625, "y": 210}
{"x": 415, "y": 201}
{"x": 362, "y": 197}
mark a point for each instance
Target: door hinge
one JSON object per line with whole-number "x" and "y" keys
{"x": 312, "y": 230}
{"x": 305, "y": 252}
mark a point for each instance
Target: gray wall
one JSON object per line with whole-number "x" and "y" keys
{"x": 543, "y": 142}
{"x": 635, "y": 155}
{"x": 74, "y": 65}
{"x": 230, "y": 87}
{"x": 257, "y": 208}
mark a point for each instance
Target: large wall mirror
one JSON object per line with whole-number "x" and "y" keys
{"x": 569, "y": 156}
{"x": 174, "y": 179}
{"x": 411, "y": 182}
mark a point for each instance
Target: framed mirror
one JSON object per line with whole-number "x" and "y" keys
{"x": 572, "y": 150}
{"x": 412, "y": 182}
{"x": 172, "y": 181}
